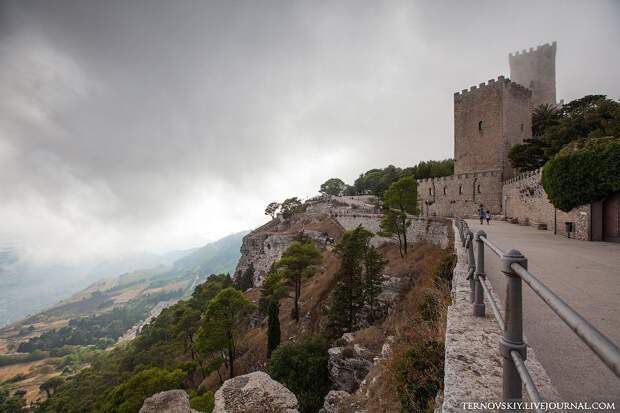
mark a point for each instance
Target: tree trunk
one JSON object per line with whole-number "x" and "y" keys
{"x": 297, "y": 294}
{"x": 405, "y": 231}
{"x": 231, "y": 362}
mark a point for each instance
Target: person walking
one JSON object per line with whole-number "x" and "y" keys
{"x": 488, "y": 217}
{"x": 482, "y": 214}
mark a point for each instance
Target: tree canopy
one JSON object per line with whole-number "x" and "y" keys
{"x": 298, "y": 262}
{"x": 400, "y": 199}
{"x": 377, "y": 181}
{"x": 593, "y": 116}
{"x": 272, "y": 209}
{"x": 302, "y": 367}
{"x": 585, "y": 171}
{"x": 290, "y": 207}
{"x": 226, "y": 314}
{"x": 333, "y": 186}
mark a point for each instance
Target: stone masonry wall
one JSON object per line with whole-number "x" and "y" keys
{"x": 525, "y": 199}
{"x": 488, "y": 120}
{"x": 434, "y": 231}
{"x": 535, "y": 69}
{"x": 461, "y": 195}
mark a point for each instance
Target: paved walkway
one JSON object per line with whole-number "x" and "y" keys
{"x": 587, "y": 276}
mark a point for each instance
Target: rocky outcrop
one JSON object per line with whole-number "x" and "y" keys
{"x": 348, "y": 366}
{"x": 266, "y": 244}
{"x": 254, "y": 392}
{"x": 171, "y": 401}
{"x": 338, "y": 401}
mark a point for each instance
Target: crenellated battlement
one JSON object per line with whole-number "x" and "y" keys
{"x": 523, "y": 176}
{"x": 501, "y": 81}
{"x": 543, "y": 48}
{"x": 497, "y": 173}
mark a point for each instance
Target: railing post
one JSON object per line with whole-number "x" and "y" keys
{"x": 479, "y": 291}
{"x": 512, "y": 339}
{"x": 471, "y": 260}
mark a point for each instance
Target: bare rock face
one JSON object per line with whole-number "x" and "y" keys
{"x": 171, "y": 401}
{"x": 347, "y": 367}
{"x": 255, "y": 392}
{"x": 338, "y": 401}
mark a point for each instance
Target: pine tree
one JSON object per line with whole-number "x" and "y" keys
{"x": 349, "y": 291}
{"x": 245, "y": 280}
{"x": 272, "y": 291}
{"x": 373, "y": 278}
{"x": 298, "y": 262}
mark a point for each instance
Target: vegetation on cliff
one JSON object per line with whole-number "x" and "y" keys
{"x": 167, "y": 354}
{"x": 583, "y": 172}
{"x": 358, "y": 281}
{"x": 302, "y": 367}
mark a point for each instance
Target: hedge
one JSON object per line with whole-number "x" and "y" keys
{"x": 583, "y": 172}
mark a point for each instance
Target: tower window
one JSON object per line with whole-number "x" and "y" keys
{"x": 521, "y": 128}
{"x": 444, "y": 190}
{"x": 480, "y": 126}
{"x": 478, "y": 188}
{"x": 460, "y": 189}
{"x": 430, "y": 191}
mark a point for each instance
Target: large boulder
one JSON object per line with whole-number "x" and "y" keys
{"x": 171, "y": 401}
{"x": 347, "y": 367}
{"x": 254, "y": 392}
{"x": 338, "y": 401}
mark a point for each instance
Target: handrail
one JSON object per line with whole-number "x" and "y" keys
{"x": 512, "y": 346}
{"x": 530, "y": 387}
{"x": 494, "y": 305}
{"x": 604, "y": 348}
{"x": 492, "y": 247}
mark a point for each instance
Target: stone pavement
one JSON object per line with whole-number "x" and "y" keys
{"x": 587, "y": 276}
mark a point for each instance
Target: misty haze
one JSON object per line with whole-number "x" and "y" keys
{"x": 309, "y": 206}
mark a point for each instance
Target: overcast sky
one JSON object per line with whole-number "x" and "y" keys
{"x": 130, "y": 126}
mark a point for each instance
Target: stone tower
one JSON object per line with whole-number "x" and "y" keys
{"x": 488, "y": 120}
{"x": 535, "y": 69}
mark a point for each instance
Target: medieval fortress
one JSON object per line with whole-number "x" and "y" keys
{"x": 489, "y": 119}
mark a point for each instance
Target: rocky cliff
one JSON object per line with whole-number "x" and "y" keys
{"x": 324, "y": 220}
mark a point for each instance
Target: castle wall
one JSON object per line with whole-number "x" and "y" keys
{"x": 461, "y": 195}
{"x": 525, "y": 199}
{"x": 535, "y": 69}
{"x": 488, "y": 120}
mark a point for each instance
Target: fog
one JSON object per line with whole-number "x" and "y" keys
{"x": 135, "y": 126}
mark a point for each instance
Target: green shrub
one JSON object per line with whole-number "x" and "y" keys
{"x": 420, "y": 376}
{"x": 129, "y": 396}
{"x": 429, "y": 308}
{"x": 302, "y": 367}
{"x": 203, "y": 403}
{"x": 583, "y": 172}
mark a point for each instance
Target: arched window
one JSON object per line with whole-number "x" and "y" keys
{"x": 430, "y": 191}
{"x": 460, "y": 189}
{"x": 444, "y": 190}
{"x": 480, "y": 126}
{"x": 521, "y": 128}
{"x": 478, "y": 188}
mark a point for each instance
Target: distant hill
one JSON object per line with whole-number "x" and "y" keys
{"x": 217, "y": 257}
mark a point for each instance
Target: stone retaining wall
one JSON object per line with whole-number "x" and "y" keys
{"x": 473, "y": 369}
{"x": 525, "y": 199}
{"x": 433, "y": 230}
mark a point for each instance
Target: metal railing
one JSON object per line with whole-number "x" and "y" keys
{"x": 512, "y": 346}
